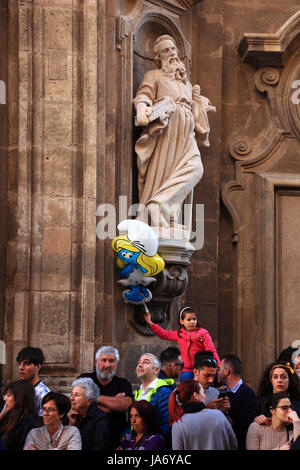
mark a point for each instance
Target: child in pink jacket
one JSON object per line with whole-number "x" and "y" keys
{"x": 190, "y": 339}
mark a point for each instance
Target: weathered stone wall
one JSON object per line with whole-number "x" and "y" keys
{"x": 71, "y": 69}
{"x": 260, "y": 150}
{"x": 4, "y": 198}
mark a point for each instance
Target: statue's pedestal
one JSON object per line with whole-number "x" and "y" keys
{"x": 176, "y": 251}
{"x": 171, "y": 282}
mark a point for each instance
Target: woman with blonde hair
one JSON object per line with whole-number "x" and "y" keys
{"x": 137, "y": 268}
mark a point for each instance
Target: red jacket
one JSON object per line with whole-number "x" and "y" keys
{"x": 189, "y": 342}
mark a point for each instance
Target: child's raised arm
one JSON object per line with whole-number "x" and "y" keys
{"x": 147, "y": 317}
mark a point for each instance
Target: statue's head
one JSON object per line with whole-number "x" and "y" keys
{"x": 165, "y": 49}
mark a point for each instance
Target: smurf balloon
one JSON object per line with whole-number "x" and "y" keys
{"x": 137, "y": 259}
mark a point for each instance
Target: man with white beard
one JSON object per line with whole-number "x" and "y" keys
{"x": 168, "y": 157}
{"x": 115, "y": 392}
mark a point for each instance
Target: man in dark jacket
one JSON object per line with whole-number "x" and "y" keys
{"x": 241, "y": 396}
{"x": 115, "y": 392}
{"x": 87, "y": 417}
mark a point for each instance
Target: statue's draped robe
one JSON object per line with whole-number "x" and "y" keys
{"x": 169, "y": 164}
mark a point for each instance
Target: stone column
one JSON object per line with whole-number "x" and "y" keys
{"x": 51, "y": 249}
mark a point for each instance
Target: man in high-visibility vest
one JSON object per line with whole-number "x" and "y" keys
{"x": 155, "y": 390}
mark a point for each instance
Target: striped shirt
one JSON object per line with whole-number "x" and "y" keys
{"x": 65, "y": 438}
{"x": 40, "y": 390}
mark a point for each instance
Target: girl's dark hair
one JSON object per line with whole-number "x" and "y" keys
{"x": 181, "y": 396}
{"x": 286, "y": 355}
{"x": 62, "y": 402}
{"x": 148, "y": 414}
{"x": 273, "y": 400}
{"x": 23, "y": 392}
{"x": 181, "y": 316}
{"x": 265, "y": 387}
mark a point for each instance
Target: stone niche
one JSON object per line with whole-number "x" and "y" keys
{"x": 143, "y": 29}
{"x": 264, "y": 202}
{"x": 52, "y": 101}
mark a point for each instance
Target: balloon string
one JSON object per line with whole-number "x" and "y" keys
{"x": 147, "y": 311}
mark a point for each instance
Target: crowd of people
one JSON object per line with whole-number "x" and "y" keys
{"x": 188, "y": 399}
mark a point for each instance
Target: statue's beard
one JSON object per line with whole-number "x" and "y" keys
{"x": 174, "y": 67}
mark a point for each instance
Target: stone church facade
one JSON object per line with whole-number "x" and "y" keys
{"x": 69, "y": 70}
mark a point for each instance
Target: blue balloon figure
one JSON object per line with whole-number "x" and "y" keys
{"x": 138, "y": 260}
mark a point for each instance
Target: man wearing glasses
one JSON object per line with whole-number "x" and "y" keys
{"x": 171, "y": 364}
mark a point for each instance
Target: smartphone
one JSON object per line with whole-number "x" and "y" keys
{"x": 224, "y": 394}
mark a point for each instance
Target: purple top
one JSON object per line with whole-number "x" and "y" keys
{"x": 147, "y": 442}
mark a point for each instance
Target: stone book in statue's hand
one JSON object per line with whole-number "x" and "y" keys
{"x": 162, "y": 109}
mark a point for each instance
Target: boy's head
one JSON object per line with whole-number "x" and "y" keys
{"x": 30, "y": 361}
{"x": 205, "y": 368}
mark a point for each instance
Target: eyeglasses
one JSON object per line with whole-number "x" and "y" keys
{"x": 285, "y": 407}
{"x": 48, "y": 411}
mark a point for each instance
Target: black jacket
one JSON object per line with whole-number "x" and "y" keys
{"x": 94, "y": 429}
{"x": 17, "y": 436}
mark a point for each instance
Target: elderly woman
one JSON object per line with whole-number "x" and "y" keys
{"x": 278, "y": 377}
{"x": 87, "y": 417}
{"x": 145, "y": 429}
{"x": 18, "y": 416}
{"x": 195, "y": 427}
{"x": 276, "y": 435}
{"x": 53, "y": 435}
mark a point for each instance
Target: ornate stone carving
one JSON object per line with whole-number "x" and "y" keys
{"x": 271, "y": 49}
{"x": 266, "y": 176}
{"x": 169, "y": 160}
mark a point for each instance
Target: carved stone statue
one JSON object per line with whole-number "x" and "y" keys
{"x": 169, "y": 161}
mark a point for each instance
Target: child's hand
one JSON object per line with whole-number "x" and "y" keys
{"x": 147, "y": 317}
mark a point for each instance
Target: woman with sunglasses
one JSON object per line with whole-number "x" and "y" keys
{"x": 54, "y": 435}
{"x": 276, "y": 435}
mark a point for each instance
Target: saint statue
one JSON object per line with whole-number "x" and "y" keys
{"x": 169, "y": 162}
